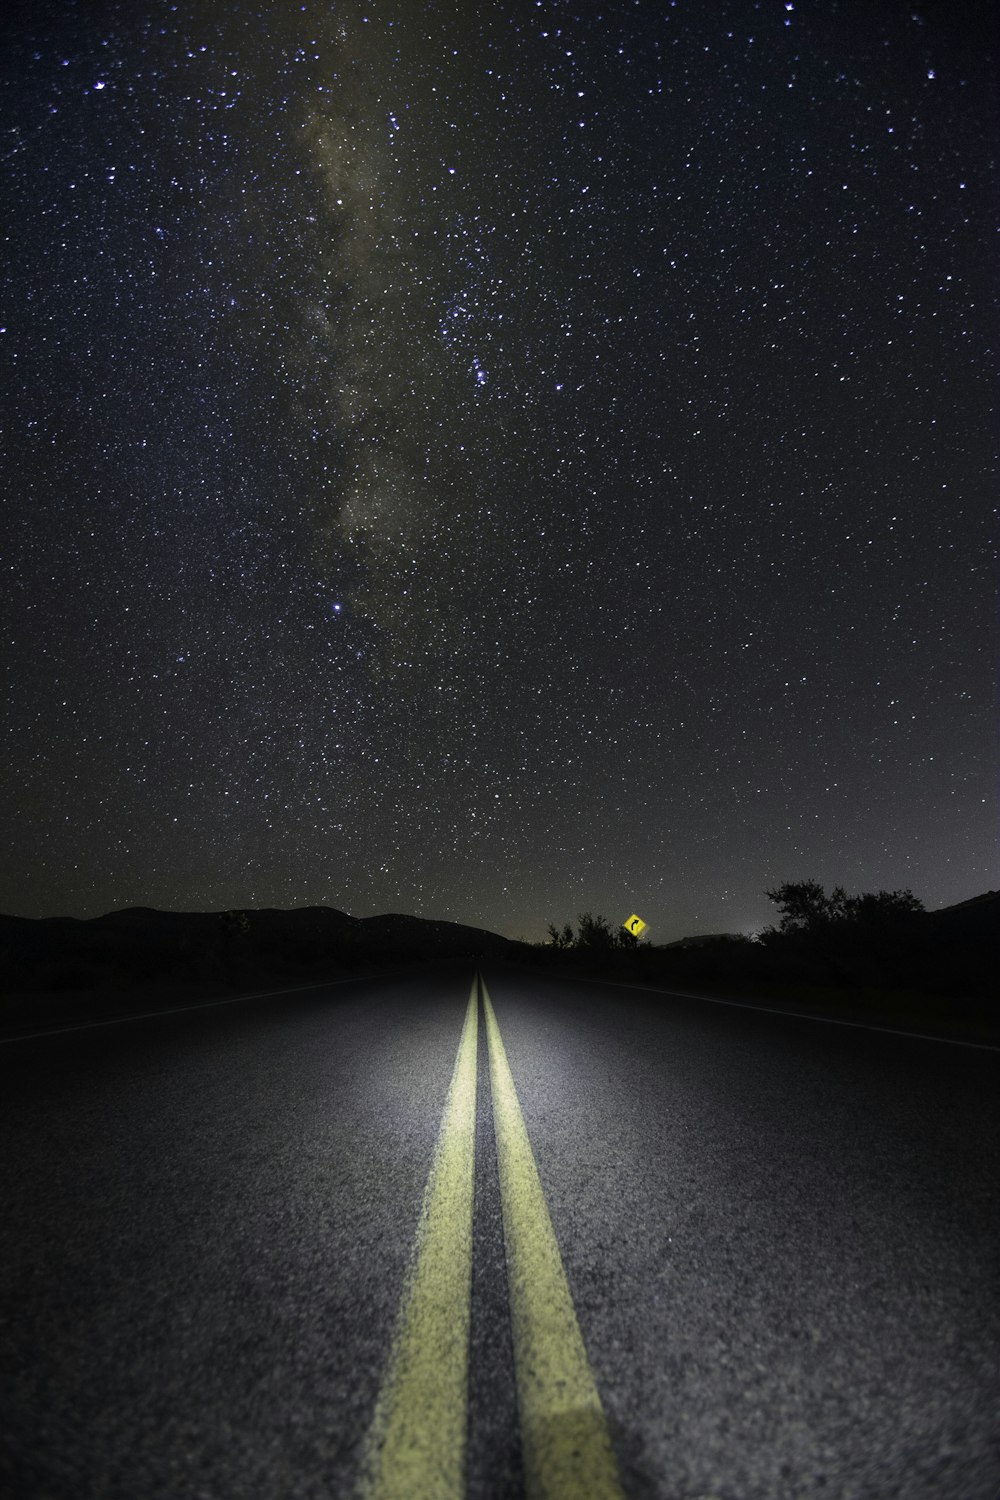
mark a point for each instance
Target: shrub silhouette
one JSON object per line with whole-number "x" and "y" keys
{"x": 595, "y": 935}
{"x": 560, "y": 937}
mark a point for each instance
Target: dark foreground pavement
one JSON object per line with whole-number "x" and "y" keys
{"x": 781, "y": 1238}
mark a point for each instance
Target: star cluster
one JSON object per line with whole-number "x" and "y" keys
{"x": 496, "y": 462}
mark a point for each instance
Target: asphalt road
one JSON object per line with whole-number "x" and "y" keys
{"x": 781, "y": 1239}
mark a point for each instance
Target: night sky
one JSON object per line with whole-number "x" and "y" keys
{"x": 498, "y": 461}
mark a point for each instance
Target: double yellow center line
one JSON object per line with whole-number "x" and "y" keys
{"x": 416, "y": 1445}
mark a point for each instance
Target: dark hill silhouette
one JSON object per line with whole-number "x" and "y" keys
{"x": 699, "y": 940}
{"x": 140, "y": 946}
{"x": 985, "y": 899}
{"x": 980, "y": 915}
{"x": 426, "y": 938}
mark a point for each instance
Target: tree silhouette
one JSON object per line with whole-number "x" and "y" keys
{"x": 805, "y": 907}
{"x": 595, "y": 933}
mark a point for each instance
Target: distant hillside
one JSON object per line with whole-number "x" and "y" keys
{"x": 978, "y": 913}
{"x": 698, "y": 940}
{"x": 141, "y": 946}
{"x": 986, "y": 899}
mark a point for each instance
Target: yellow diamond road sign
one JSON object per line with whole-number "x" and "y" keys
{"x": 635, "y": 925}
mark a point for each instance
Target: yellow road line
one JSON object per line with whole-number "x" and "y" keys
{"x": 416, "y": 1444}
{"x": 564, "y": 1437}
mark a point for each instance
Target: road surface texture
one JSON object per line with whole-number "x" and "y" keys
{"x": 779, "y": 1237}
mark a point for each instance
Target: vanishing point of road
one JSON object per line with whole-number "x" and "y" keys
{"x": 448, "y": 1235}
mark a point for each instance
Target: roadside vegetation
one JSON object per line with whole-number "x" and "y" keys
{"x": 872, "y": 952}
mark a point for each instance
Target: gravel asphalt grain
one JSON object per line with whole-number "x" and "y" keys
{"x": 781, "y": 1240}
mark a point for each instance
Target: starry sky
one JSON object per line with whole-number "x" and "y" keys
{"x": 498, "y": 461}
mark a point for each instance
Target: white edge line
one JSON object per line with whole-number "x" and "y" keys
{"x": 146, "y": 1015}
{"x": 771, "y": 1010}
